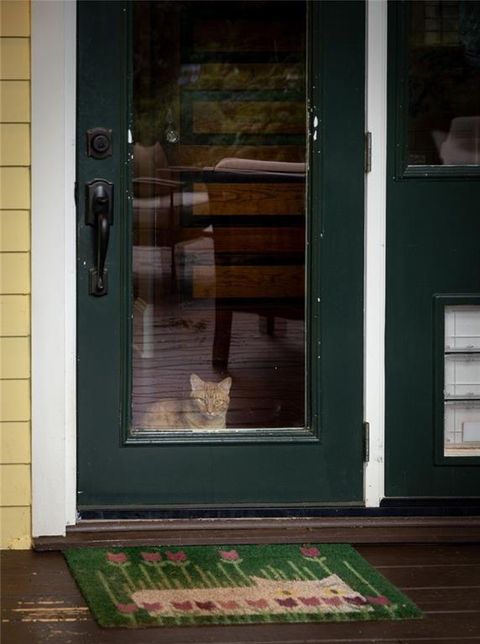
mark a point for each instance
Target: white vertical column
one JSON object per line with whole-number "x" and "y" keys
{"x": 375, "y": 225}
{"x": 53, "y": 266}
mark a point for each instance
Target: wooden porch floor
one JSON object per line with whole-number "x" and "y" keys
{"x": 41, "y": 604}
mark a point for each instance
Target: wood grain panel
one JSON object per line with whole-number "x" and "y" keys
{"x": 248, "y": 281}
{"x": 251, "y": 199}
{"x": 249, "y": 117}
{"x": 264, "y": 240}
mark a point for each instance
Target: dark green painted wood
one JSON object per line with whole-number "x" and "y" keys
{"x": 433, "y": 233}
{"x": 327, "y": 470}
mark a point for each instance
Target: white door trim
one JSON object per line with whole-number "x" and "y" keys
{"x": 53, "y": 266}
{"x": 54, "y": 261}
{"x": 375, "y": 270}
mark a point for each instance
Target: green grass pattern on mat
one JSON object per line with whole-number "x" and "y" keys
{"x": 214, "y": 585}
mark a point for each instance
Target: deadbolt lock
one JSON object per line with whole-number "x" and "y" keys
{"x": 99, "y": 143}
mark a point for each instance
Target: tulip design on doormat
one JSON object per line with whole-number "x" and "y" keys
{"x": 234, "y": 584}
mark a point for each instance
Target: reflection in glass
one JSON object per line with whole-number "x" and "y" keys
{"x": 444, "y": 83}
{"x": 219, "y": 150}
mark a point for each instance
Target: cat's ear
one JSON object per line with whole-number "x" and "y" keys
{"x": 196, "y": 382}
{"x": 225, "y": 384}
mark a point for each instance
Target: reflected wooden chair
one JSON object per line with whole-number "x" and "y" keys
{"x": 260, "y": 246}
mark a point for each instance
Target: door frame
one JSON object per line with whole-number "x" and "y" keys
{"x": 54, "y": 254}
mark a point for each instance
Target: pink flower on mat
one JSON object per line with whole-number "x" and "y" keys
{"x": 119, "y": 558}
{"x": 379, "y": 600}
{"x": 151, "y": 557}
{"x": 127, "y": 609}
{"x": 153, "y": 607}
{"x": 229, "y": 555}
{"x": 356, "y": 601}
{"x": 310, "y": 552}
{"x": 288, "y": 603}
{"x": 206, "y": 605}
{"x": 310, "y": 601}
{"x": 176, "y": 557}
{"x": 182, "y": 605}
{"x": 332, "y": 601}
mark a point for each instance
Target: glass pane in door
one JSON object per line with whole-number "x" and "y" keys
{"x": 218, "y": 185}
{"x": 444, "y": 82}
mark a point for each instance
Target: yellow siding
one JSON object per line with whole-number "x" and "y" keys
{"x": 14, "y": 315}
{"x": 15, "y": 485}
{"x": 14, "y": 101}
{"x": 14, "y": 231}
{"x": 15, "y": 370}
{"x": 14, "y": 58}
{"x": 15, "y": 18}
{"x": 15, "y": 397}
{"x": 14, "y": 144}
{"x": 15, "y": 358}
{"x": 14, "y": 188}
{"x": 15, "y": 528}
{"x": 14, "y": 273}
{"x": 15, "y": 443}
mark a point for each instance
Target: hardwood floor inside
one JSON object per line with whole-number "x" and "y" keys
{"x": 41, "y": 604}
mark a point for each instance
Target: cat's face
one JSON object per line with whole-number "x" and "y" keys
{"x": 212, "y": 398}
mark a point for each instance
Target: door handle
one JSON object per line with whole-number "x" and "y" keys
{"x": 99, "y": 214}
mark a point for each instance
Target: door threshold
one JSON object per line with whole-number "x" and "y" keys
{"x": 179, "y": 532}
{"x": 389, "y": 507}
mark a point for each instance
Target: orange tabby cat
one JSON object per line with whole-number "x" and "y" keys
{"x": 205, "y": 409}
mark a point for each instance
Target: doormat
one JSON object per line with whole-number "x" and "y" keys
{"x": 248, "y": 584}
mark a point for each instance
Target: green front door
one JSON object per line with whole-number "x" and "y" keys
{"x": 433, "y": 260}
{"x": 220, "y": 254}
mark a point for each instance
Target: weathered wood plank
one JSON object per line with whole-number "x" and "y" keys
{"x": 448, "y": 554}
